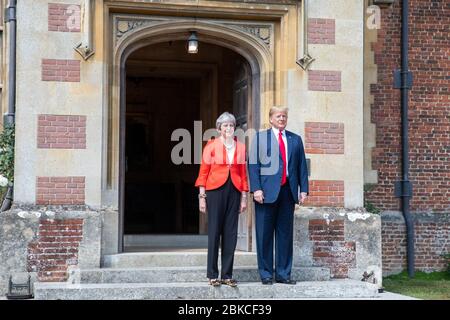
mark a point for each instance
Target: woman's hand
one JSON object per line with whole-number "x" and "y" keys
{"x": 202, "y": 205}
{"x": 243, "y": 205}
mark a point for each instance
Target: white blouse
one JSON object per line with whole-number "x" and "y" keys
{"x": 230, "y": 153}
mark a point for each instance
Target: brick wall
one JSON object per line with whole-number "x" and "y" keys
{"x": 321, "y": 31}
{"x": 60, "y": 70}
{"x": 429, "y": 107}
{"x": 64, "y": 17}
{"x": 55, "y": 248}
{"x": 328, "y": 193}
{"x": 60, "y": 190}
{"x": 324, "y": 137}
{"x": 432, "y": 240}
{"x": 330, "y": 248}
{"x": 61, "y": 132}
{"x": 429, "y": 130}
{"x": 321, "y": 80}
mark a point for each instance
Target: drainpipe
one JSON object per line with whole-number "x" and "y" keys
{"x": 86, "y": 47}
{"x": 403, "y": 188}
{"x": 10, "y": 17}
{"x": 306, "y": 60}
{"x": 9, "y": 117}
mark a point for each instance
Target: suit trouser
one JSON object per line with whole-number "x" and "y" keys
{"x": 275, "y": 219}
{"x": 223, "y": 215}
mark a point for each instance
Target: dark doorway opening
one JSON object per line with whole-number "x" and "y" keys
{"x": 160, "y": 197}
{"x": 168, "y": 89}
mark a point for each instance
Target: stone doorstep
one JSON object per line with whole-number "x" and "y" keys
{"x": 166, "y": 241}
{"x": 170, "y": 259}
{"x": 181, "y": 274}
{"x": 195, "y": 290}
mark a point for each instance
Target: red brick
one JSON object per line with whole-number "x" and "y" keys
{"x": 430, "y": 241}
{"x": 60, "y": 70}
{"x": 51, "y": 126}
{"x": 330, "y": 249}
{"x": 321, "y": 31}
{"x": 429, "y": 107}
{"x": 59, "y": 14}
{"x": 321, "y": 80}
{"x": 324, "y": 138}
{"x": 57, "y": 192}
{"x": 320, "y": 193}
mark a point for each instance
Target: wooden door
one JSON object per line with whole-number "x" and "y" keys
{"x": 241, "y": 106}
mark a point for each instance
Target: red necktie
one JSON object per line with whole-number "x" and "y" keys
{"x": 283, "y": 156}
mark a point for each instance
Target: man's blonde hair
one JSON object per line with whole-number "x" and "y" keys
{"x": 275, "y": 109}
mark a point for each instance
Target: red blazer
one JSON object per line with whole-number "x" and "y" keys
{"x": 215, "y": 168}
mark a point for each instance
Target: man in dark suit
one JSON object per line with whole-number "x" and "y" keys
{"x": 278, "y": 179}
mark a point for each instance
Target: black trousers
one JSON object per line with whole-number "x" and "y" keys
{"x": 223, "y": 215}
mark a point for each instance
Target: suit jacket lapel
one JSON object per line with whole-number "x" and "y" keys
{"x": 270, "y": 137}
{"x": 289, "y": 143}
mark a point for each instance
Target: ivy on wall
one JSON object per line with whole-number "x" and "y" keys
{"x": 7, "y": 138}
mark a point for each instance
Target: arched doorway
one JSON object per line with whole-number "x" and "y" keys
{"x": 259, "y": 72}
{"x": 168, "y": 89}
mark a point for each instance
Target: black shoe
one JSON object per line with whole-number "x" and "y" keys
{"x": 287, "y": 281}
{"x": 266, "y": 281}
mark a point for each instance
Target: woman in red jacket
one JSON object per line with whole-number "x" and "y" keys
{"x": 223, "y": 185}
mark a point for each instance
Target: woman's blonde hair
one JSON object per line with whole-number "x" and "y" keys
{"x": 275, "y": 109}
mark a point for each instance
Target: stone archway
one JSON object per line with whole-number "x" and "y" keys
{"x": 245, "y": 41}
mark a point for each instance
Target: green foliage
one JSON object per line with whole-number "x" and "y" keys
{"x": 7, "y": 138}
{"x": 371, "y": 208}
{"x": 369, "y": 187}
{"x": 420, "y": 275}
{"x": 6, "y": 158}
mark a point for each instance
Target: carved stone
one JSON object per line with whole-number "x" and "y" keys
{"x": 125, "y": 24}
{"x": 259, "y": 31}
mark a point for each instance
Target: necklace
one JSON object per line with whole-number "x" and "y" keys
{"x": 228, "y": 147}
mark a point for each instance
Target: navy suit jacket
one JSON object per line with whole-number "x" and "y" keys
{"x": 265, "y": 165}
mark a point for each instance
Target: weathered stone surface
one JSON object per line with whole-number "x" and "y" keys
{"x": 181, "y": 274}
{"x": 15, "y": 234}
{"x": 20, "y": 225}
{"x": 362, "y": 230}
{"x": 168, "y": 259}
{"x": 110, "y": 231}
{"x": 194, "y": 290}
{"x": 136, "y": 242}
{"x": 90, "y": 246}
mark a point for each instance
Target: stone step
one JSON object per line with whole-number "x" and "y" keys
{"x": 196, "y": 290}
{"x": 170, "y": 259}
{"x": 181, "y": 274}
{"x": 168, "y": 241}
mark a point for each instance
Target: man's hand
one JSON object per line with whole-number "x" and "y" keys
{"x": 258, "y": 196}
{"x": 303, "y": 197}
